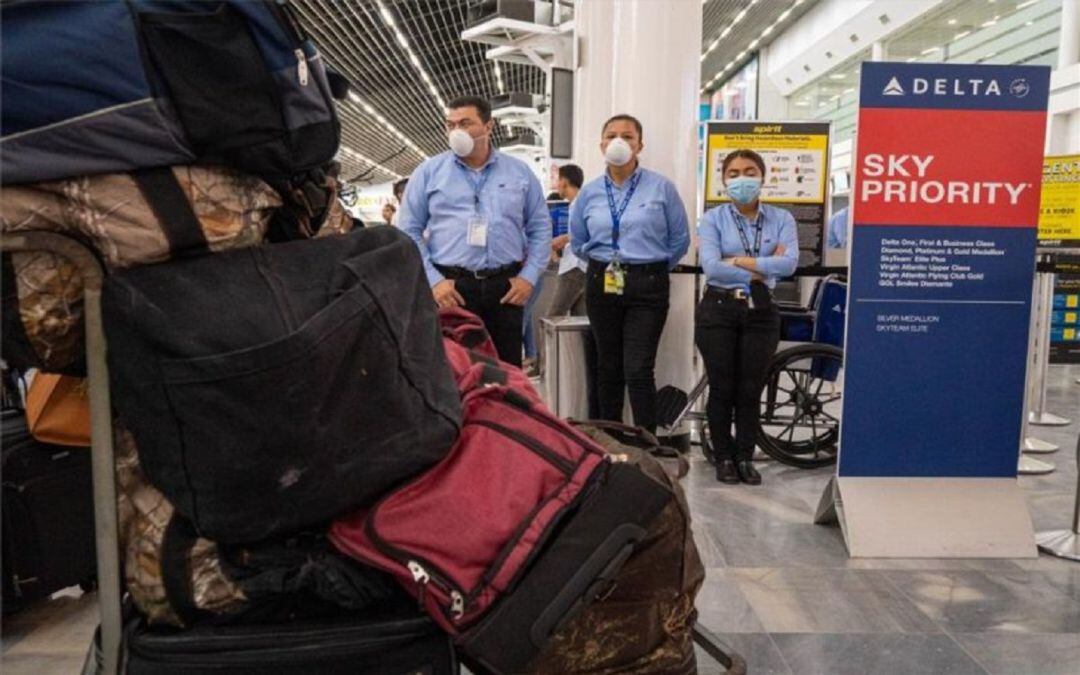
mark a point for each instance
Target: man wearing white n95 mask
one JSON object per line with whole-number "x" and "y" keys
{"x": 487, "y": 224}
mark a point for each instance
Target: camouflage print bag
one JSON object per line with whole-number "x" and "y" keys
{"x": 108, "y": 213}
{"x": 645, "y": 625}
{"x": 178, "y": 578}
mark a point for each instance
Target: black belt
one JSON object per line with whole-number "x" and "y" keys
{"x": 735, "y": 293}
{"x": 452, "y": 272}
{"x": 632, "y": 268}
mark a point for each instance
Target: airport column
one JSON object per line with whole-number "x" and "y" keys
{"x": 642, "y": 58}
{"x": 1064, "y": 134}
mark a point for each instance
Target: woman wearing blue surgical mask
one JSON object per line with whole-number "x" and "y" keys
{"x": 744, "y": 247}
{"x": 631, "y": 227}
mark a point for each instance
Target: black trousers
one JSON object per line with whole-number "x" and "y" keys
{"x": 627, "y": 328}
{"x": 736, "y": 344}
{"x": 503, "y": 322}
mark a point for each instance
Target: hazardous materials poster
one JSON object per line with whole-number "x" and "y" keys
{"x": 796, "y": 156}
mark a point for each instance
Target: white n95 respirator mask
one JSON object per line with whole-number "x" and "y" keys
{"x": 461, "y": 142}
{"x": 618, "y": 152}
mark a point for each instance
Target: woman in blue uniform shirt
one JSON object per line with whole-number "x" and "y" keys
{"x": 630, "y": 224}
{"x": 745, "y": 246}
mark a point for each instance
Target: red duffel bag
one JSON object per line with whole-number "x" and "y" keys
{"x": 522, "y": 524}
{"x": 459, "y": 534}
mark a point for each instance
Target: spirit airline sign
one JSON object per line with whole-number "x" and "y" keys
{"x": 945, "y": 207}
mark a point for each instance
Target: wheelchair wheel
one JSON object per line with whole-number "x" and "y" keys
{"x": 800, "y": 406}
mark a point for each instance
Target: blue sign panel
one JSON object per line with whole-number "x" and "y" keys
{"x": 945, "y": 207}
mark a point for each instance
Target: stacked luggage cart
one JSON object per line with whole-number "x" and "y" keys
{"x": 131, "y": 648}
{"x": 196, "y": 225}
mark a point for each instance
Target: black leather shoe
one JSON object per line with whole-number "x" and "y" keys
{"x": 726, "y": 472}
{"x": 747, "y": 473}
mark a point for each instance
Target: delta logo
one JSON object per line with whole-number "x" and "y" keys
{"x": 955, "y": 86}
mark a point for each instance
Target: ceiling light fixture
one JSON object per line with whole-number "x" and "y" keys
{"x": 991, "y": 22}
{"x": 909, "y": 60}
{"x": 961, "y": 35}
{"x": 952, "y": 22}
{"x": 837, "y": 76}
{"x": 356, "y": 156}
{"x": 498, "y": 77}
{"x": 734, "y": 22}
{"x": 388, "y": 19}
{"x": 370, "y": 110}
{"x": 1029, "y": 3}
{"x": 752, "y": 44}
{"x": 931, "y": 50}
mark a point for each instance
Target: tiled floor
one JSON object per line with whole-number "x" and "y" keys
{"x": 783, "y": 593}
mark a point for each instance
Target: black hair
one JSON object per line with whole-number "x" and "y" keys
{"x": 573, "y": 174}
{"x": 744, "y": 154}
{"x": 553, "y": 197}
{"x": 625, "y": 118}
{"x": 481, "y": 104}
{"x": 399, "y": 188}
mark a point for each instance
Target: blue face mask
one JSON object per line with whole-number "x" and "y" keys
{"x": 744, "y": 189}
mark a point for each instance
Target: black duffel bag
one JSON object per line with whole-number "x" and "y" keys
{"x": 276, "y": 387}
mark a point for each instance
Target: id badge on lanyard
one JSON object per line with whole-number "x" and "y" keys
{"x": 477, "y": 233}
{"x": 753, "y": 253}
{"x": 614, "y": 278}
{"x": 615, "y": 274}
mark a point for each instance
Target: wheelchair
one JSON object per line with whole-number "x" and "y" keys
{"x": 802, "y": 395}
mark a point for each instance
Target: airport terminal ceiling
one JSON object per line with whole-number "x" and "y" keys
{"x": 405, "y": 60}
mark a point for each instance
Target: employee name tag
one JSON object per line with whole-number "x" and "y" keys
{"x": 614, "y": 279}
{"x": 478, "y": 231}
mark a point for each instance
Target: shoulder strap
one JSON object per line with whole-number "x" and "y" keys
{"x": 167, "y": 200}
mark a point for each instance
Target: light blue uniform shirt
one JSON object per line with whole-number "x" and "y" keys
{"x": 838, "y": 229}
{"x": 718, "y": 237}
{"x": 441, "y": 200}
{"x": 652, "y": 229}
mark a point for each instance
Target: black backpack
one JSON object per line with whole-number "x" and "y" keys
{"x": 275, "y": 387}
{"x": 115, "y": 86}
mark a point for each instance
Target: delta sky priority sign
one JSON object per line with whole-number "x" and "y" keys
{"x": 945, "y": 208}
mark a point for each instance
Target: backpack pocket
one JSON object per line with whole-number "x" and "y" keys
{"x": 216, "y": 77}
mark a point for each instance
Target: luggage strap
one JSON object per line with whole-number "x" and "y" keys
{"x": 170, "y": 204}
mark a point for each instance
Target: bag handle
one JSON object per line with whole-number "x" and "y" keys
{"x": 167, "y": 199}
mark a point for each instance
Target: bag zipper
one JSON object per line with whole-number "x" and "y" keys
{"x": 301, "y": 67}
{"x": 288, "y": 23}
{"x": 559, "y": 463}
{"x": 423, "y": 571}
{"x": 422, "y": 578}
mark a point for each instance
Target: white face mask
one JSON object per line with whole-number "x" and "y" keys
{"x": 618, "y": 152}
{"x": 461, "y": 142}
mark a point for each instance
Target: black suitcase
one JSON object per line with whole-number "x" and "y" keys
{"x": 48, "y": 515}
{"x": 396, "y": 642}
{"x": 578, "y": 565}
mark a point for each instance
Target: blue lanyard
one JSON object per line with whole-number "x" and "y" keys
{"x": 477, "y": 185}
{"x": 758, "y": 225}
{"x": 617, "y": 214}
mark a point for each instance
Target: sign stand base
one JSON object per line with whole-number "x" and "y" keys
{"x": 1038, "y": 446}
{"x": 1048, "y": 420}
{"x": 929, "y": 517}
